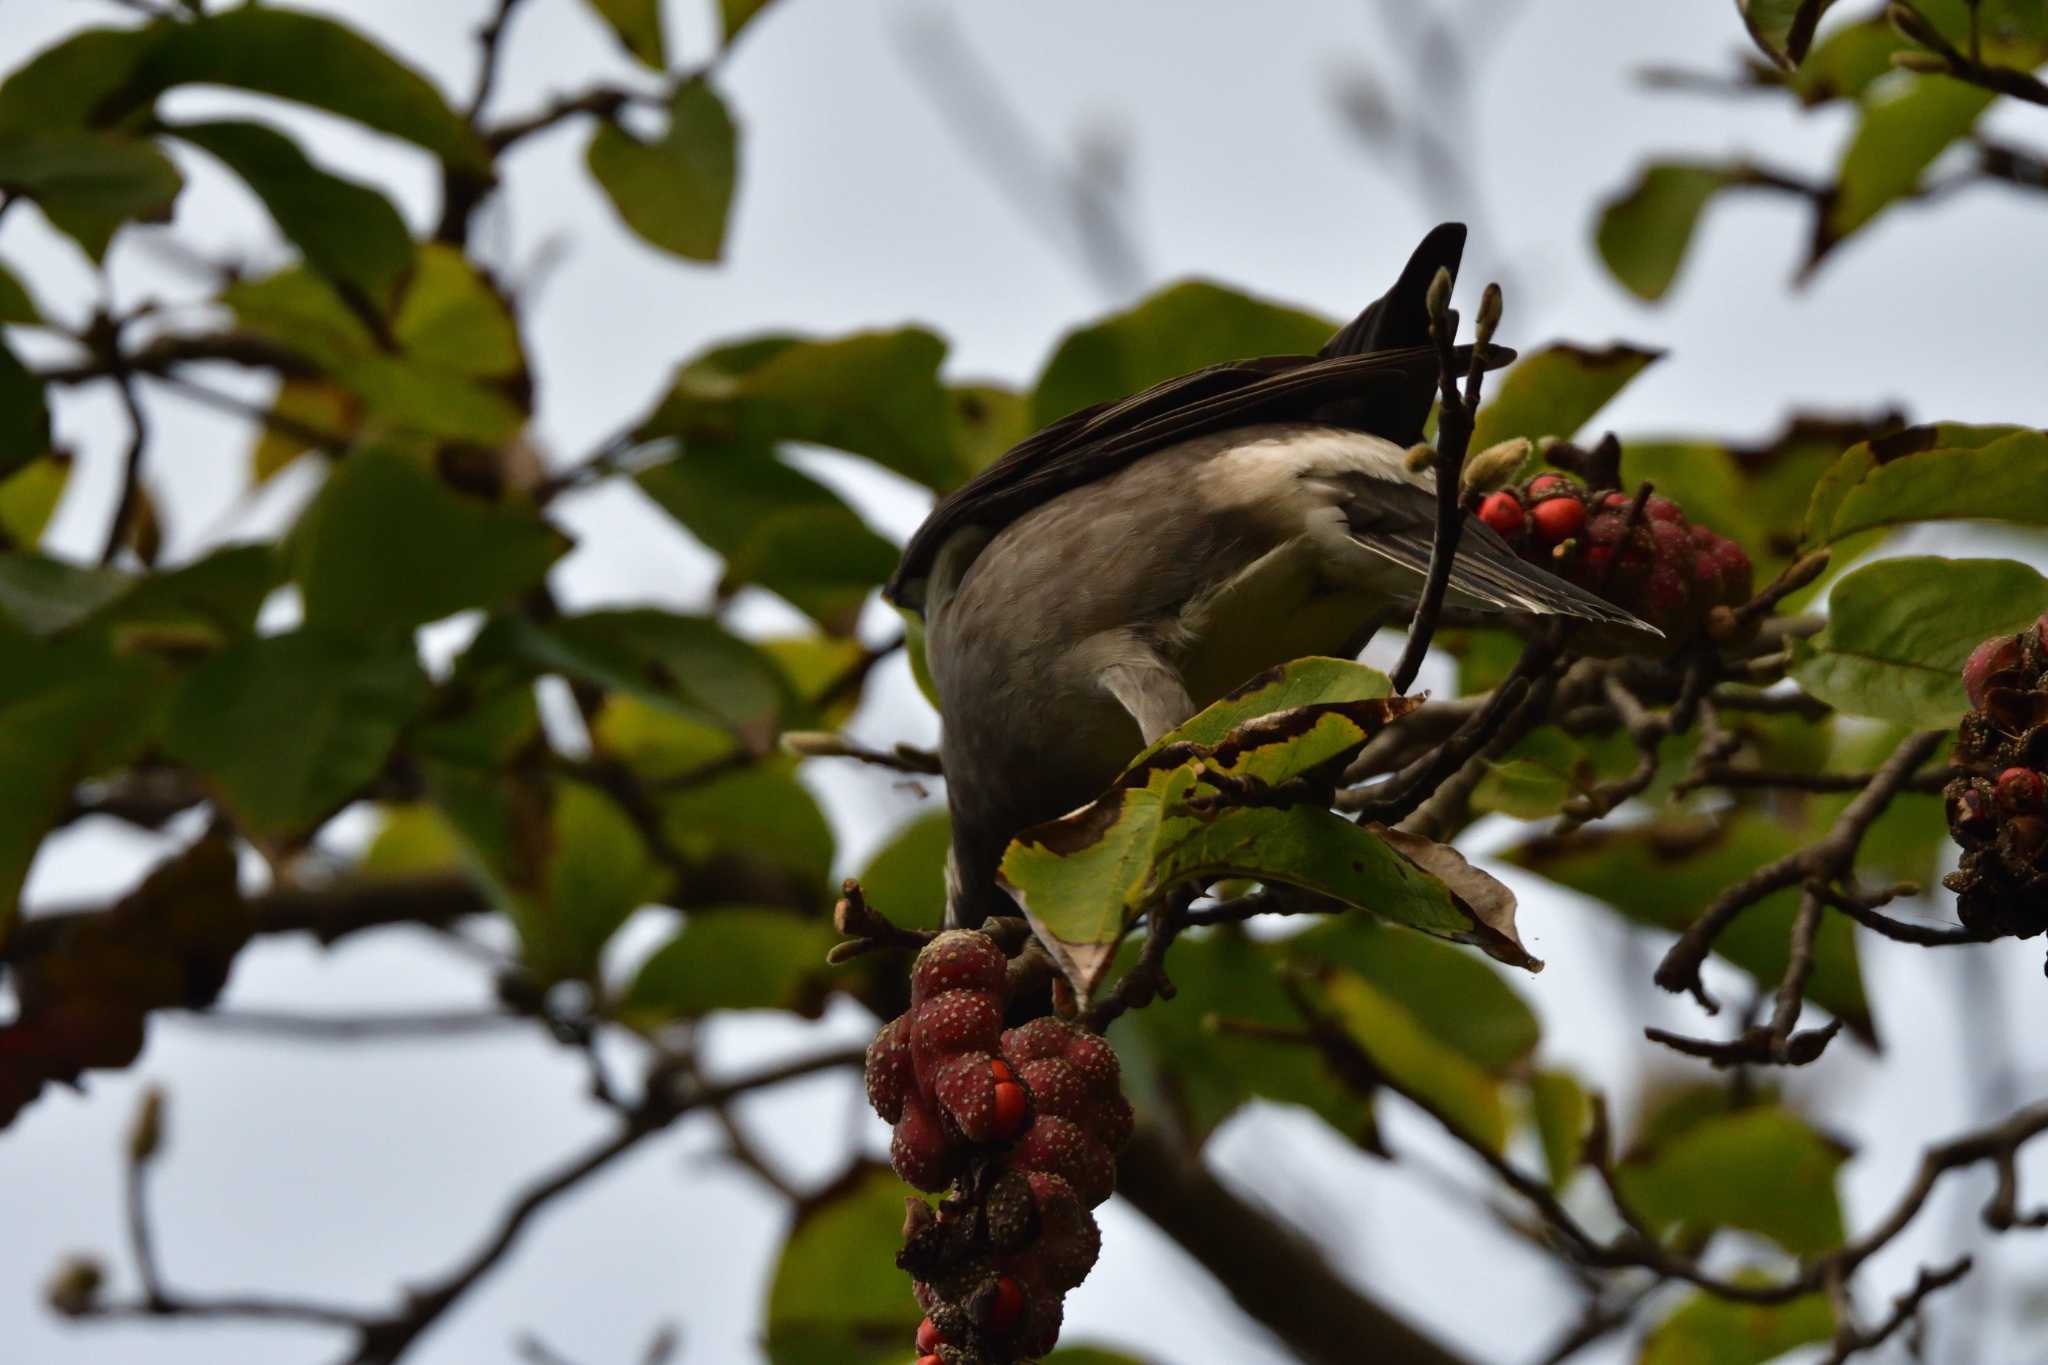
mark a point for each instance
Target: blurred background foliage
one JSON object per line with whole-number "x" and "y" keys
{"x": 565, "y": 768}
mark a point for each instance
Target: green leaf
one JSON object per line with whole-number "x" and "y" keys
{"x": 1644, "y": 231}
{"x": 675, "y": 193}
{"x": 454, "y": 319}
{"x": 1461, "y": 1002}
{"x": 387, "y": 545}
{"x": 776, "y": 527}
{"x": 1082, "y": 878}
{"x": 874, "y": 394}
{"x": 29, "y": 497}
{"x": 1403, "y": 1050}
{"x": 1663, "y": 875}
{"x": 1706, "y": 1330}
{"x": 1783, "y": 29}
{"x": 89, "y": 184}
{"x": 1556, "y": 391}
{"x": 906, "y": 879}
{"x": 1546, "y": 768}
{"x": 837, "y": 1297}
{"x": 413, "y": 840}
{"x": 64, "y": 85}
{"x": 1304, "y": 682}
{"x": 1181, "y": 328}
{"x": 68, "y": 711}
{"x": 301, "y": 57}
{"x": 1762, "y": 1170}
{"x": 599, "y": 872}
{"x": 348, "y": 231}
{"x": 1933, "y": 474}
{"x": 1846, "y": 62}
{"x": 1903, "y": 129}
{"x": 657, "y": 744}
{"x": 751, "y": 835}
{"x": 638, "y": 26}
{"x": 987, "y": 420}
{"x": 16, "y": 304}
{"x": 735, "y": 958}
{"x": 41, "y": 596}
{"x": 1899, "y": 631}
{"x": 24, "y": 415}
{"x": 316, "y": 403}
{"x": 1562, "y": 1111}
{"x": 823, "y": 561}
{"x": 690, "y": 666}
{"x": 459, "y": 376}
{"x": 288, "y": 728}
{"x": 737, "y": 14}
{"x": 1175, "y": 1061}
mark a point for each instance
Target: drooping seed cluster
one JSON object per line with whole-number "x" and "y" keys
{"x": 1999, "y": 812}
{"x": 1021, "y": 1128}
{"x": 1663, "y": 569}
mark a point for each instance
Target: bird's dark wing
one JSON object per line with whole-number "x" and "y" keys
{"x": 1377, "y": 374}
{"x": 1096, "y": 442}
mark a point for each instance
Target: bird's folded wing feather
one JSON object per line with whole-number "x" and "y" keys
{"x": 1098, "y": 441}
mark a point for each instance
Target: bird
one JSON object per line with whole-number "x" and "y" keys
{"x": 1116, "y": 571}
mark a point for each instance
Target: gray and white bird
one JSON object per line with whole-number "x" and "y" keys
{"x": 1115, "y": 572}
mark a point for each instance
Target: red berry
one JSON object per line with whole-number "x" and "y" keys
{"x": 1061, "y": 1146}
{"x": 1557, "y": 518}
{"x": 889, "y": 1073}
{"x": 1993, "y": 656}
{"x": 947, "y": 1025}
{"x": 1503, "y": 512}
{"x": 959, "y": 959}
{"x": 1057, "y": 1086}
{"x": 929, "y": 1360}
{"x": 1662, "y": 509}
{"x": 1665, "y": 593}
{"x": 1615, "y": 500}
{"x": 1735, "y": 570}
{"x": 1005, "y": 1307}
{"x": 1546, "y": 485}
{"x": 2020, "y": 789}
{"x": 1095, "y": 1059}
{"x": 1045, "y": 1036}
{"x": 928, "y": 1338}
{"x": 1000, "y": 1069}
{"x": 919, "y": 1149}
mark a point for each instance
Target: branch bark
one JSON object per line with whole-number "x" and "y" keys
{"x": 1273, "y": 1274}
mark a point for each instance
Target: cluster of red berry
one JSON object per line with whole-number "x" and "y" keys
{"x": 2001, "y": 885}
{"x": 1022, "y": 1126}
{"x": 1656, "y": 565}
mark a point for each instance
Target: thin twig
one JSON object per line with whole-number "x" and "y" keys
{"x": 130, "y": 501}
{"x": 1829, "y": 859}
{"x": 421, "y": 1025}
{"x": 490, "y": 39}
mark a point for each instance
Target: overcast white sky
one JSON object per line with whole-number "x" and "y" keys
{"x": 338, "y": 1173}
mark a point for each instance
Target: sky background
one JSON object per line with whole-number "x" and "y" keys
{"x": 338, "y": 1173}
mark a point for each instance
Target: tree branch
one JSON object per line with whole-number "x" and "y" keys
{"x": 1274, "y": 1275}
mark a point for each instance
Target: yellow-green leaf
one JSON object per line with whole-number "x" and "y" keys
{"x": 674, "y": 192}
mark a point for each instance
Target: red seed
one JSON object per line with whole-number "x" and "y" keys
{"x": 1558, "y": 518}
{"x": 2020, "y": 789}
{"x": 930, "y": 1360}
{"x": 1000, "y": 1069}
{"x": 1547, "y": 485}
{"x": 1503, "y": 512}
{"x": 1005, "y": 1306}
{"x": 1012, "y": 1110}
{"x": 1615, "y": 500}
{"x": 928, "y": 1338}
